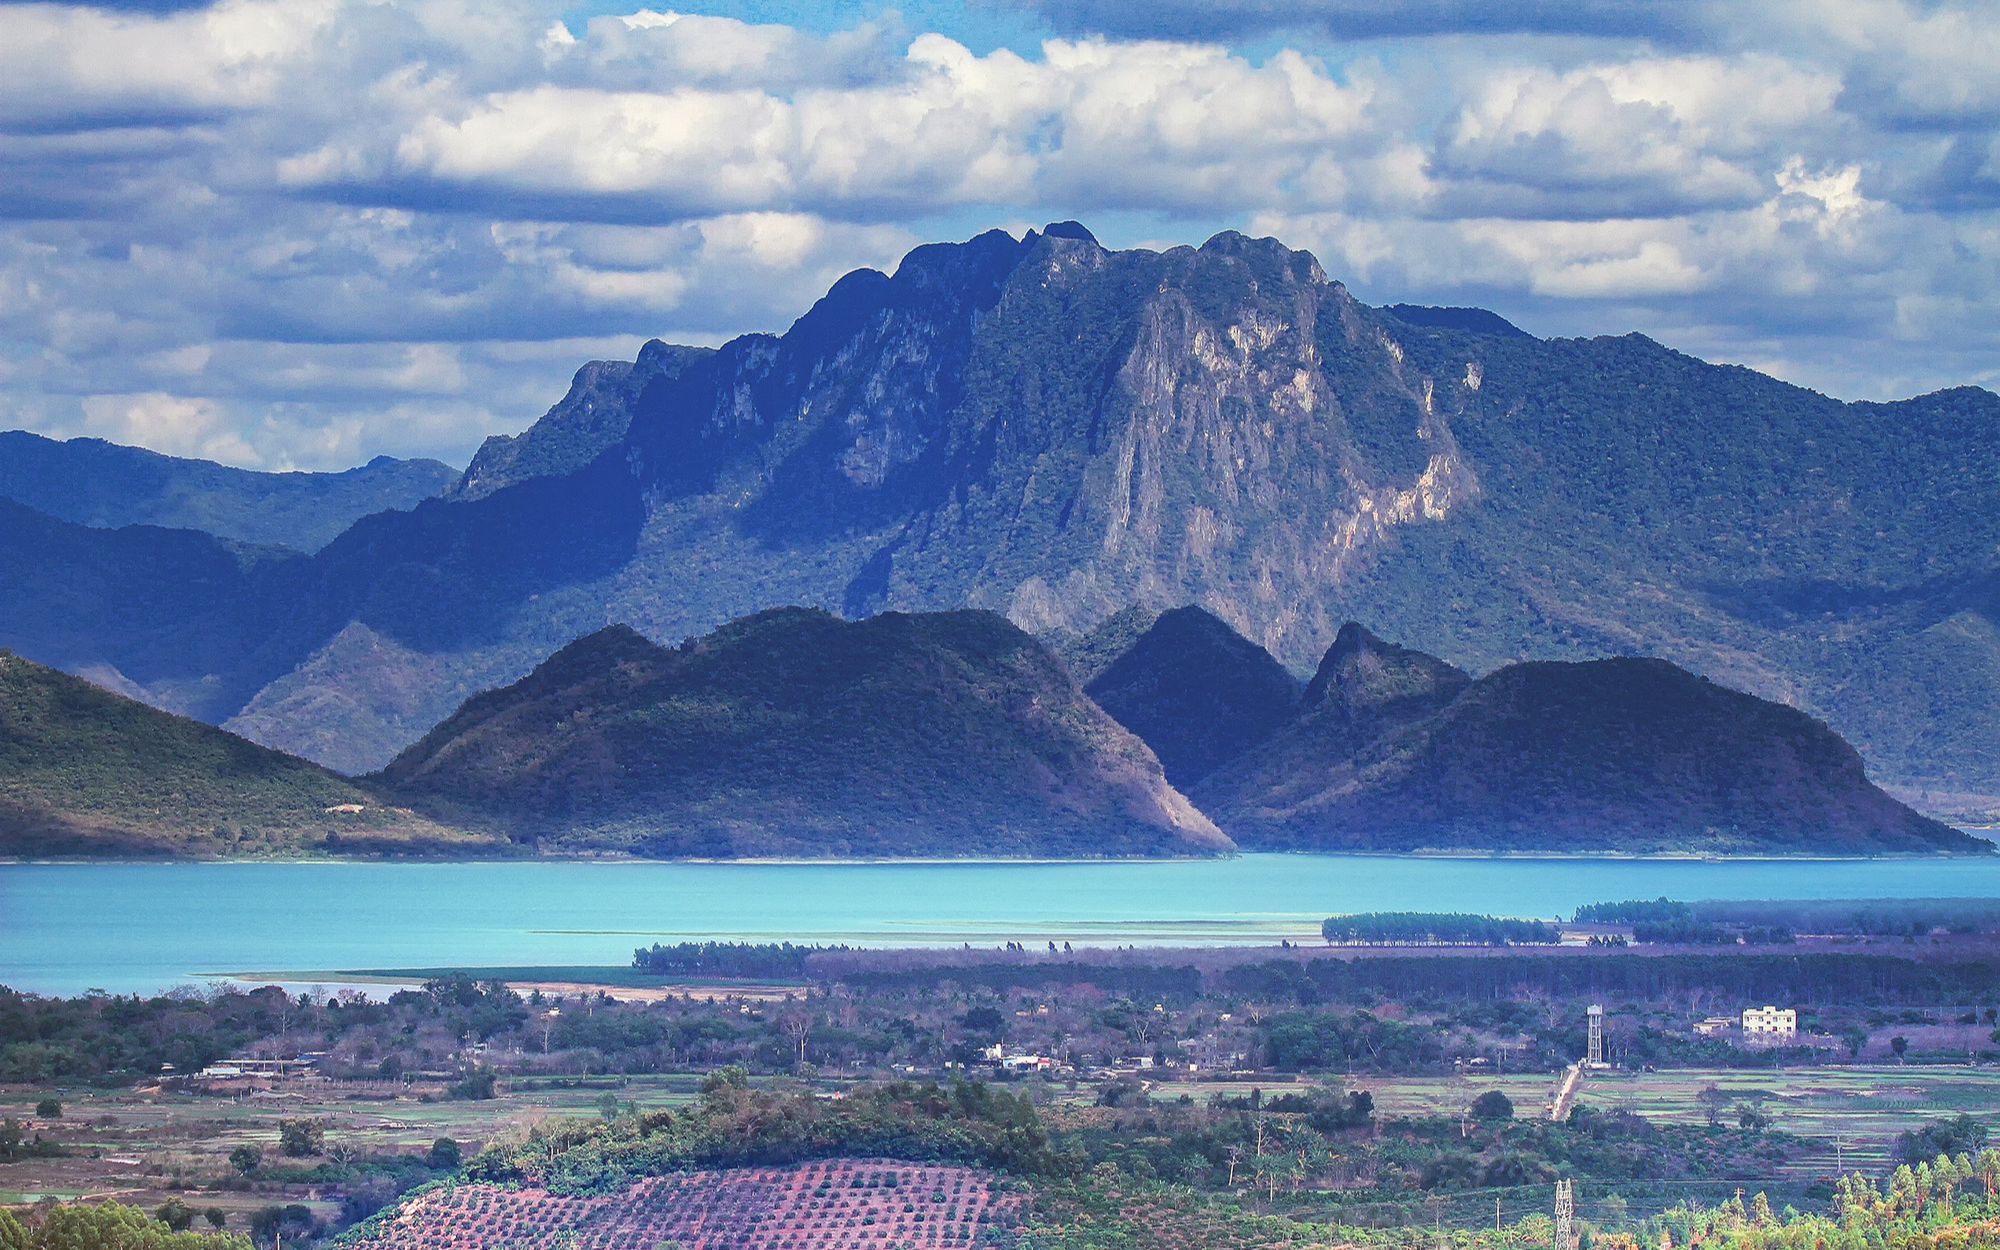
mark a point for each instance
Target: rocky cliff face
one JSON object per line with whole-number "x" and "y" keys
{"x": 1137, "y": 425}
{"x": 1056, "y": 431}
{"x": 584, "y": 424}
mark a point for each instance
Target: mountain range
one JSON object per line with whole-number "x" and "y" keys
{"x": 1055, "y": 431}
{"x": 795, "y": 733}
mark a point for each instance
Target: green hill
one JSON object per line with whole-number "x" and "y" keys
{"x": 1399, "y": 752}
{"x": 86, "y": 772}
{"x": 794, "y": 733}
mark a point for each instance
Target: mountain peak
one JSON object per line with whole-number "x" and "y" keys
{"x": 1622, "y": 754}
{"x": 1362, "y": 672}
{"x": 1466, "y": 320}
{"x": 1068, "y": 230}
{"x": 1266, "y": 254}
{"x": 613, "y": 642}
{"x": 1195, "y": 690}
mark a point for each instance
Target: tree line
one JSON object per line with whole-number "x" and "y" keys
{"x": 1437, "y": 928}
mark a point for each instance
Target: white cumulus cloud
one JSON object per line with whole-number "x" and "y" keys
{"x": 302, "y": 232}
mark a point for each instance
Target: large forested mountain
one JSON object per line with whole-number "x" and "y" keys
{"x": 92, "y": 482}
{"x": 1057, "y": 431}
{"x": 87, "y": 772}
{"x": 795, "y": 733}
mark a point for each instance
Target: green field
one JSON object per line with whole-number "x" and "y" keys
{"x": 1862, "y": 1108}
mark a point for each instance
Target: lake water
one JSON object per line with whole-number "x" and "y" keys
{"x": 65, "y": 928}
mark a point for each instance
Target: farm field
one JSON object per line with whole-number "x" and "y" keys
{"x": 142, "y": 1147}
{"x": 1836, "y": 1117}
{"x": 1863, "y": 1107}
{"x": 830, "y": 1205}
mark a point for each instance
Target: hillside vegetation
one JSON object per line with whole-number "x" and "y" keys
{"x": 1197, "y": 691}
{"x": 1391, "y": 749}
{"x": 83, "y": 771}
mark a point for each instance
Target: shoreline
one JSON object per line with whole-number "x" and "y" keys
{"x": 1717, "y": 857}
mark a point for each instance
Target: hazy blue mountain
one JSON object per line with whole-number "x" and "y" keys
{"x": 795, "y": 733}
{"x": 1403, "y": 752}
{"x": 92, "y": 482}
{"x": 1057, "y": 432}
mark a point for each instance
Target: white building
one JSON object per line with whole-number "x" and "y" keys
{"x": 1765, "y": 1023}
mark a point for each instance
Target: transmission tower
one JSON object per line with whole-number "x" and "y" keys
{"x": 1595, "y": 1055}
{"x": 1565, "y": 1216}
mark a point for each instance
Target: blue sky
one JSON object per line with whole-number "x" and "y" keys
{"x": 300, "y": 233}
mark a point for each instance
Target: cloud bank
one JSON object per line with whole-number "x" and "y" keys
{"x": 301, "y": 232}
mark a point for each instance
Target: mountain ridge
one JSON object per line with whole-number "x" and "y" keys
{"x": 89, "y": 481}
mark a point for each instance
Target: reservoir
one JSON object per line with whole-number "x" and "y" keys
{"x": 67, "y": 928}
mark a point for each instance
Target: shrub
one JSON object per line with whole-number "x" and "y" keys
{"x": 444, "y": 1154}
{"x": 175, "y": 1214}
{"x": 1493, "y": 1105}
{"x": 302, "y": 1138}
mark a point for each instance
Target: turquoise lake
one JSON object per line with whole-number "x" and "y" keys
{"x": 65, "y": 928}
